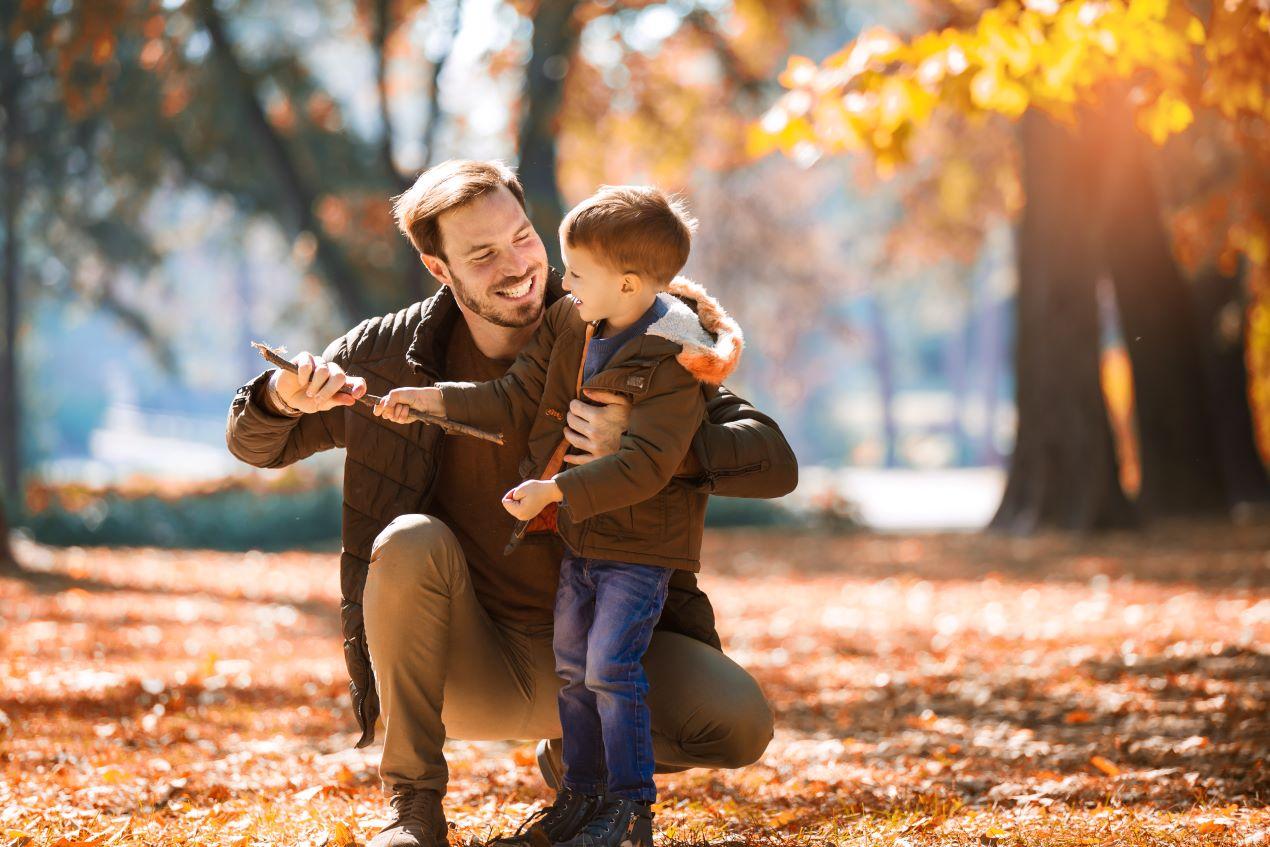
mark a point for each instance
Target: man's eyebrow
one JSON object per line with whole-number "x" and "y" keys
{"x": 478, "y": 248}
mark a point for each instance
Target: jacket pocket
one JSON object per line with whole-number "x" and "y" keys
{"x": 649, "y": 521}
{"x": 684, "y": 520}
{"x": 630, "y": 377}
{"x": 644, "y": 521}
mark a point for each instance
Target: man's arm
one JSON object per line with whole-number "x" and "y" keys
{"x": 737, "y": 452}
{"x": 262, "y": 433}
{"x": 741, "y": 451}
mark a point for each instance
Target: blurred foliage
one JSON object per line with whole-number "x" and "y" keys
{"x": 288, "y": 511}
{"x": 880, "y": 90}
{"x": 126, "y": 100}
{"x": 241, "y": 513}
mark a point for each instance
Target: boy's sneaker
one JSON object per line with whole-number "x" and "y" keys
{"x": 560, "y": 821}
{"x": 618, "y": 823}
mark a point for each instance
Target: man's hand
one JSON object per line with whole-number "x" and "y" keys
{"x": 395, "y": 406}
{"x": 531, "y": 497}
{"x": 314, "y": 388}
{"x": 596, "y": 430}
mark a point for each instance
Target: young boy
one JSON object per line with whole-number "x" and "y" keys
{"x": 625, "y": 328}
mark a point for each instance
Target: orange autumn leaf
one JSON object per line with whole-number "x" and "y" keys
{"x": 1105, "y": 765}
{"x": 341, "y": 835}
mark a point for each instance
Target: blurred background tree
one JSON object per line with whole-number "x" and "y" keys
{"x": 1087, "y": 84}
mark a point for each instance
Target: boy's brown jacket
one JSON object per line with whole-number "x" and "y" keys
{"x": 620, "y": 506}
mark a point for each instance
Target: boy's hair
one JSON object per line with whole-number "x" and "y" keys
{"x": 447, "y": 186}
{"x": 634, "y": 229}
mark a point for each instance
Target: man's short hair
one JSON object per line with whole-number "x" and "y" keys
{"x": 633, "y": 229}
{"x": 449, "y": 185}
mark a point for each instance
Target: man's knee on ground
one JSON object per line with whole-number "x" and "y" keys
{"x": 738, "y": 732}
{"x": 415, "y": 548}
{"x": 748, "y": 737}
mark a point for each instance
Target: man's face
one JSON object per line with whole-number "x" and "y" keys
{"x": 495, "y": 264}
{"x": 596, "y": 287}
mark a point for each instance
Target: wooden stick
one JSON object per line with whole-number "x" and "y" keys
{"x": 274, "y": 358}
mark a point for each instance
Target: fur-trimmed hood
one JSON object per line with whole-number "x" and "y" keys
{"x": 711, "y": 339}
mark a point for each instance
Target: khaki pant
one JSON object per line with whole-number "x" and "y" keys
{"x": 444, "y": 668}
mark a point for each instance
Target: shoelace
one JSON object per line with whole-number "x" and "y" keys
{"x": 549, "y": 815}
{"x": 605, "y": 819}
{"x": 412, "y": 805}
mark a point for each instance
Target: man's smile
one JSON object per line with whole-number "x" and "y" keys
{"x": 521, "y": 291}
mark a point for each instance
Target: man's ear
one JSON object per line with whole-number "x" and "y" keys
{"x": 437, "y": 267}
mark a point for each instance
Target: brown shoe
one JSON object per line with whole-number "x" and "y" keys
{"x": 418, "y": 820}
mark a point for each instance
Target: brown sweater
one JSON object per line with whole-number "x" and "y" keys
{"x": 472, "y": 477}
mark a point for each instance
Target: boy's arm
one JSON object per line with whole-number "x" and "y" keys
{"x": 739, "y": 451}
{"x": 512, "y": 399}
{"x": 663, "y": 421}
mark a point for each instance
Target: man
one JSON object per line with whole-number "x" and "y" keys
{"x": 458, "y": 635}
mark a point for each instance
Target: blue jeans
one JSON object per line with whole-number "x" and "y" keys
{"x": 605, "y": 614}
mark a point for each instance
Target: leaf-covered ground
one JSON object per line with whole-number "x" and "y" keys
{"x": 933, "y": 690}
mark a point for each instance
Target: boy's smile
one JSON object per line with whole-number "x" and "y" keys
{"x": 595, "y": 287}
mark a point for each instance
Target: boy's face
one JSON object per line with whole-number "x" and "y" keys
{"x": 597, "y": 289}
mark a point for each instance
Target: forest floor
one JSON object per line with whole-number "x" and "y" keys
{"x": 942, "y": 689}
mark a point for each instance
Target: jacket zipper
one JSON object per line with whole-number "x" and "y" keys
{"x": 713, "y": 476}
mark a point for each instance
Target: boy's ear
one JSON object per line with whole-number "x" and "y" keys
{"x": 631, "y": 283}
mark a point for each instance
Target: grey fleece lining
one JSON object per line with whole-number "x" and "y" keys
{"x": 680, "y": 324}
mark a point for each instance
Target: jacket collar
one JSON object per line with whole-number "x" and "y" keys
{"x": 426, "y": 353}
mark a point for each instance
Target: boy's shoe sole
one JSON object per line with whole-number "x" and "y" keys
{"x": 550, "y": 762}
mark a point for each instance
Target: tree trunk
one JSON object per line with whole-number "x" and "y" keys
{"x": 886, "y": 382}
{"x": 554, "y": 40}
{"x": 1181, "y": 474}
{"x": 8, "y": 561}
{"x": 1222, "y": 321}
{"x": 1063, "y": 472}
{"x": 11, "y": 84}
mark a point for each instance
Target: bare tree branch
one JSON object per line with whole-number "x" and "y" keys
{"x": 431, "y": 129}
{"x": 139, "y": 323}
{"x": 553, "y": 45}
{"x": 381, "y": 28}
{"x": 297, "y": 194}
{"x": 746, "y": 82}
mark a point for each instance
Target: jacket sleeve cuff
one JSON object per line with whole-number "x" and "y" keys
{"x": 458, "y": 405}
{"x": 577, "y": 500}
{"x": 271, "y": 401}
{"x": 253, "y": 403}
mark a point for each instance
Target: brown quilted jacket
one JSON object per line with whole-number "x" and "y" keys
{"x": 389, "y": 469}
{"x": 624, "y": 506}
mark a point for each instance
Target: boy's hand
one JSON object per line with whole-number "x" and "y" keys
{"x": 531, "y": 497}
{"x": 395, "y": 406}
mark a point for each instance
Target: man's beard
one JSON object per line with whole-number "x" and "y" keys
{"x": 491, "y": 308}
